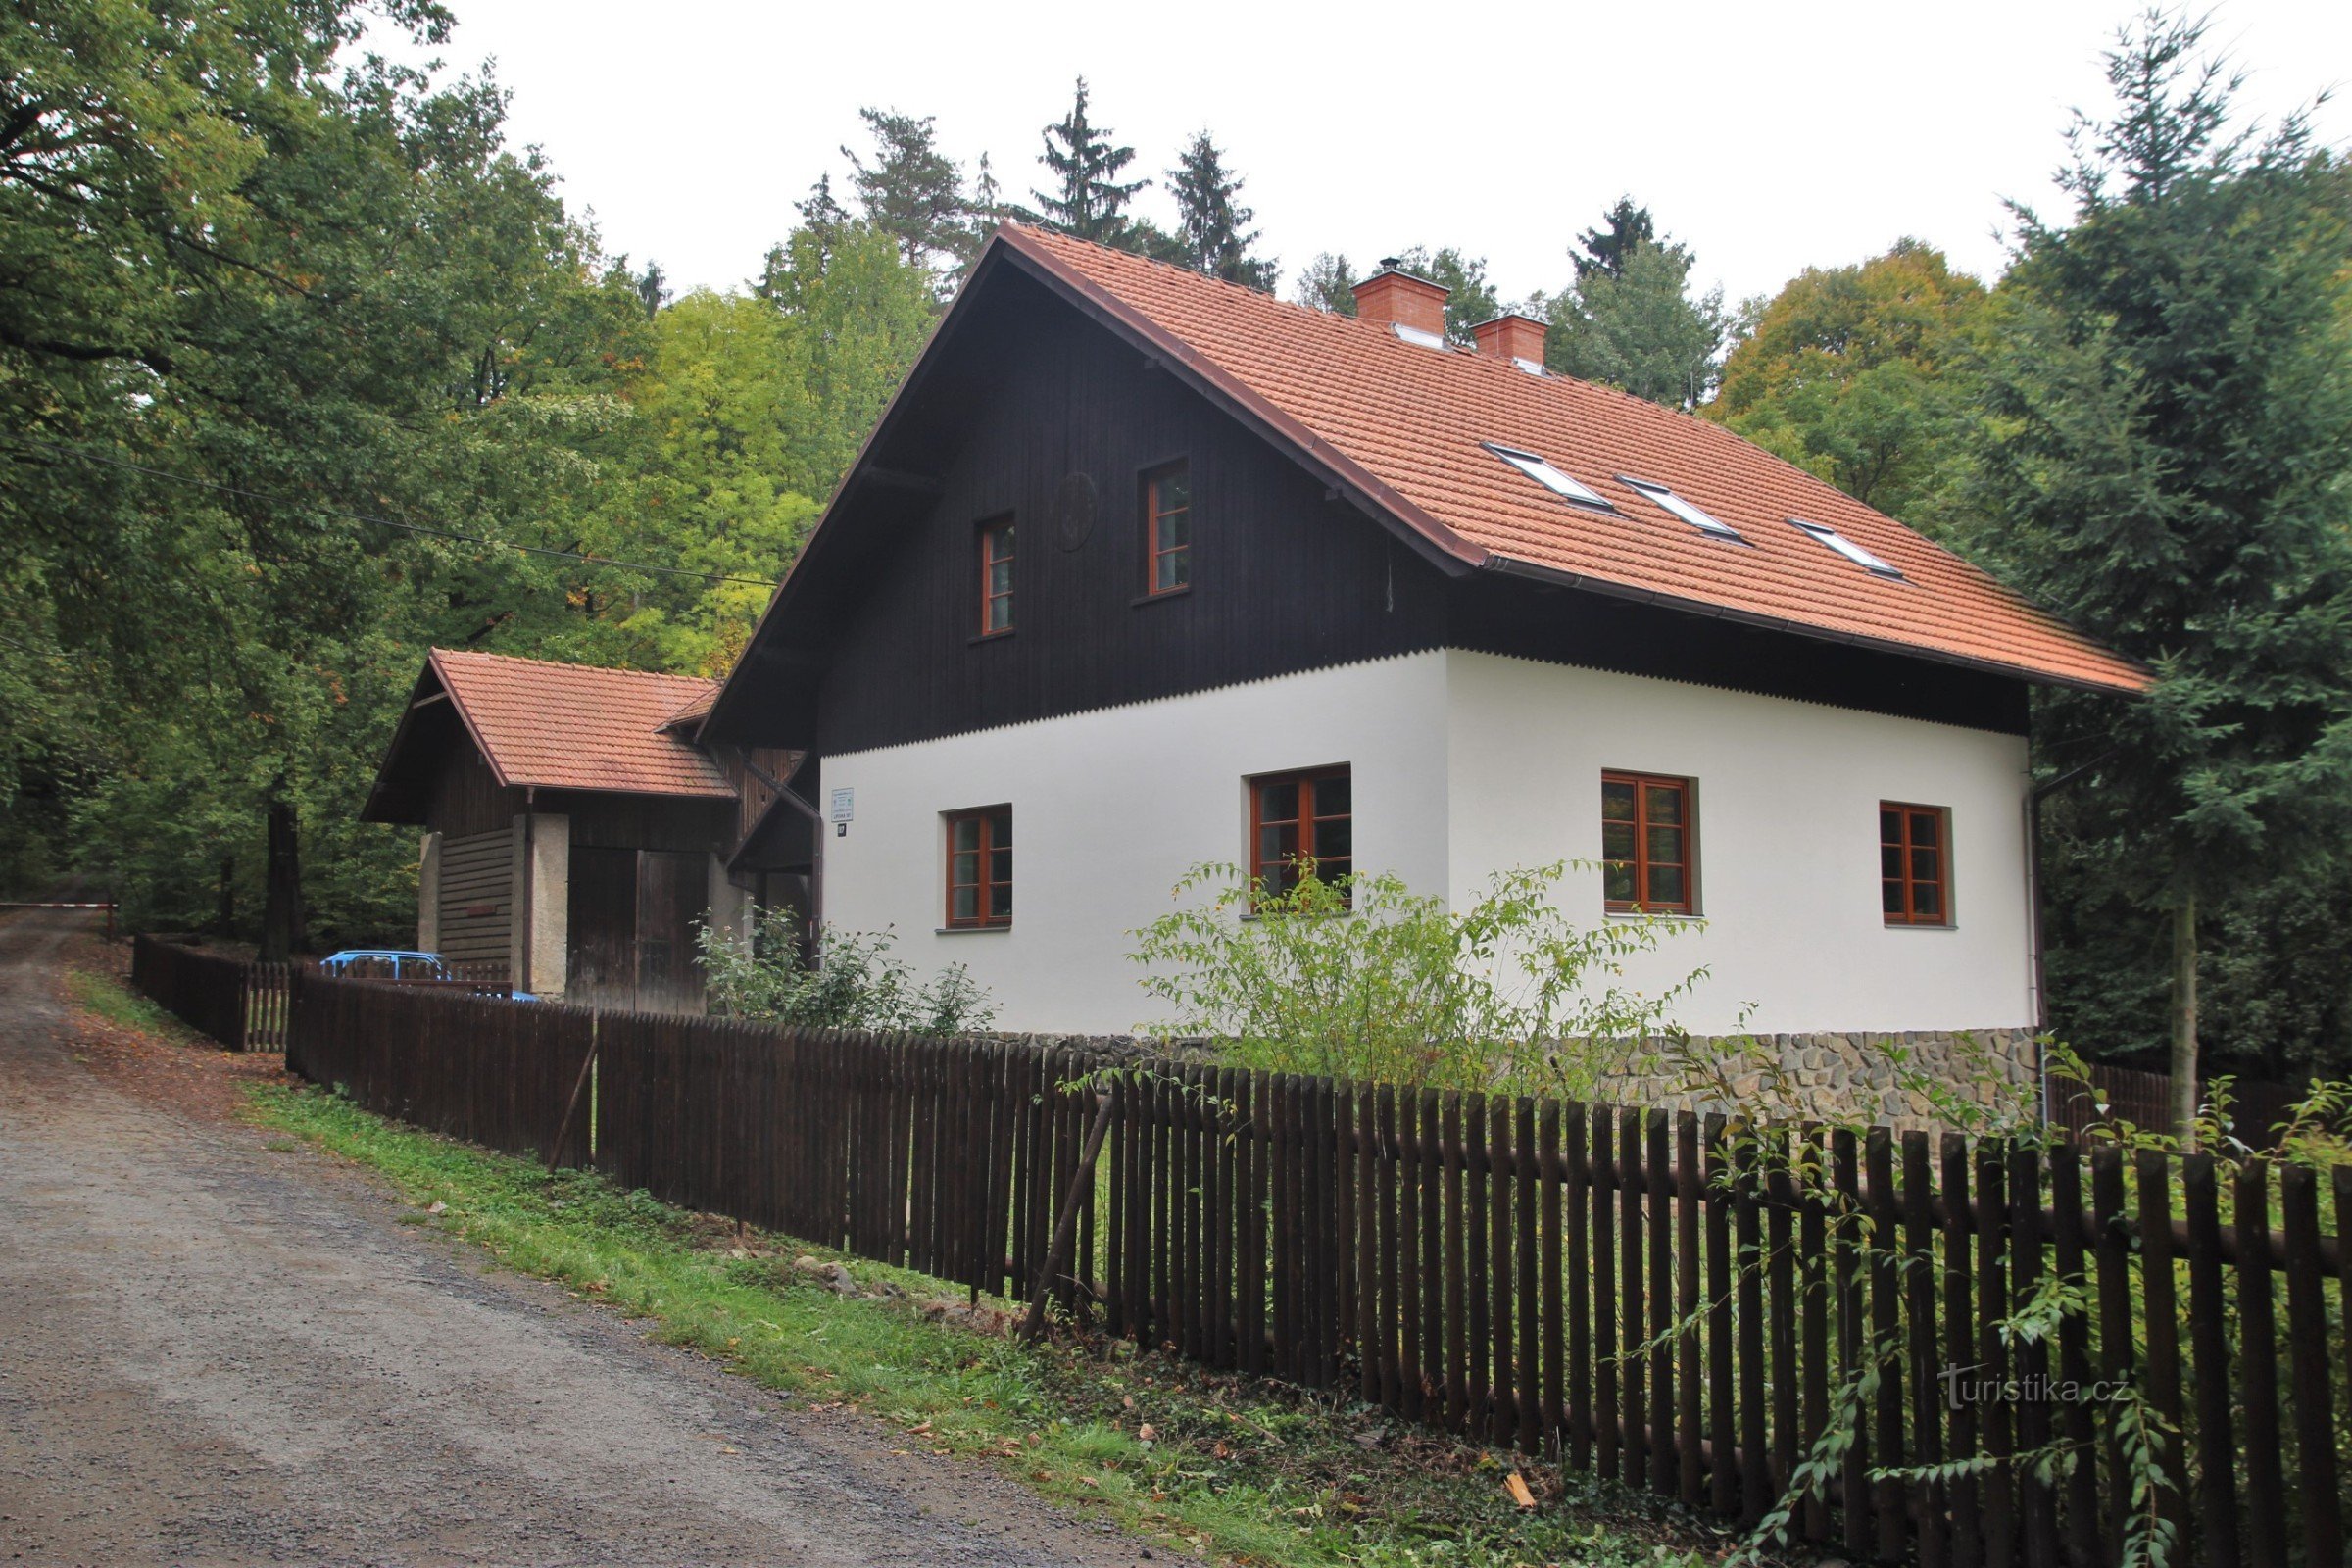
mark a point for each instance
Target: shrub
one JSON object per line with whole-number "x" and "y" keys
{"x": 1359, "y": 977}
{"x": 853, "y": 984}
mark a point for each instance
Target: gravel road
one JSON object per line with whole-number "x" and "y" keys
{"x": 213, "y": 1352}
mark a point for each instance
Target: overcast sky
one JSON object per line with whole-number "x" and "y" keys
{"x": 1767, "y": 138}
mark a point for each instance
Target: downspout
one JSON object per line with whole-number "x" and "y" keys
{"x": 2037, "y": 979}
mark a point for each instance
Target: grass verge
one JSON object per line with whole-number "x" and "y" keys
{"x": 119, "y": 1003}
{"x": 1188, "y": 1458}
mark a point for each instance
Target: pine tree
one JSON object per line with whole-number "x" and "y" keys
{"x": 1212, "y": 228}
{"x": 2166, "y": 465}
{"x": 1087, "y": 199}
{"x": 911, "y": 191}
{"x": 1606, "y": 249}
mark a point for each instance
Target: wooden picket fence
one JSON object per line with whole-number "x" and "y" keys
{"x": 1634, "y": 1293}
{"x": 2257, "y": 1109}
{"x": 240, "y": 1003}
{"x": 245, "y": 1004}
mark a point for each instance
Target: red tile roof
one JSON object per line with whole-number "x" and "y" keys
{"x": 581, "y": 727}
{"x": 1409, "y": 421}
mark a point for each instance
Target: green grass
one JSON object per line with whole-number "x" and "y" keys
{"x": 119, "y": 1003}
{"x": 1242, "y": 1470}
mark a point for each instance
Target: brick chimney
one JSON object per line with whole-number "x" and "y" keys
{"x": 1511, "y": 336}
{"x": 1391, "y": 295}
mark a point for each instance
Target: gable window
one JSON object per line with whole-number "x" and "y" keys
{"x": 1915, "y": 863}
{"x": 1550, "y": 478}
{"x": 1167, "y": 529}
{"x": 996, "y": 576}
{"x": 1297, "y": 817}
{"x": 980, "y": 868}
{"x": 1646, "y": 844}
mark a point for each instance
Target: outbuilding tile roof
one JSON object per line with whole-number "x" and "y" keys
{"x": 581, "y": 727}
{"x": 1413, "y": 420}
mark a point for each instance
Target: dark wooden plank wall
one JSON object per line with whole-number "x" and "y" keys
{"x": 464, "y": 797}
{"x": 877, "y": 643}
{"x": 1634, "y": 1293}
{"x": 1283, "y": 579}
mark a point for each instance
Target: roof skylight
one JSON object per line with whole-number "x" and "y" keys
{"x": 1847, "y": 547}
{"x": 1714, "y": 527}
{"x": 1550, "y": 477}
{"x": 1414, "y": 335}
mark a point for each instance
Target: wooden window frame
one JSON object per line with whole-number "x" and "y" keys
{"x": 1909, "y": 918}
{"x": 1152, "y": 514}
{"x": 1643, "y": 784}
{"x": 989, "y": 532}
{"x": 1306, "y": 779}
{"x": 987, "y": 916}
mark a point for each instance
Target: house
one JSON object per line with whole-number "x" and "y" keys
{"x": 574, "y": 834}
{"x": 1142, "y": 569}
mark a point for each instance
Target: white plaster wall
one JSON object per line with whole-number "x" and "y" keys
{"x": 1111, "y": 806}
{"x": 1465, "y": 763}
{"x": 1787, "y": 797}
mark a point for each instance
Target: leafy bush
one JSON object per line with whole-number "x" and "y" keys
{"x": 855, "y": 984}
{"x": 1359, "y": 977}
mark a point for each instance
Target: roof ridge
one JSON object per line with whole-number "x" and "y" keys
{"x": 436, "y": 650}
{"x": 1452, "y": 350}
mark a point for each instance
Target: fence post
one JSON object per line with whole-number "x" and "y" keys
{"x": 1082, "y": 1190}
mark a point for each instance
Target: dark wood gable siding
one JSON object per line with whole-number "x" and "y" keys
{"x": 1283, "y": 579}
{"x": 881, "y": 646}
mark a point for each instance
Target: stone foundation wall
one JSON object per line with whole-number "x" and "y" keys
{"x": 1865, "y": 1077}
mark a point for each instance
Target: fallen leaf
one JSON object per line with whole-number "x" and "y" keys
{"x": 1516, "y": 1484}
{"x": 1146, "y": 1433}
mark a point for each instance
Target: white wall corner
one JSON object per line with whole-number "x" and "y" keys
{"x": 539, "y": 949}
{"x": 428, "y": 895}
{"x": 730, "y": 906}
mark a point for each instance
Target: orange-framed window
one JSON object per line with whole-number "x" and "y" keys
{"x": 980, "y": 867}
{"x": 1648, "y": 843}
{"x": 996, "y": 576}
{"x": 1915, "y": 863}
{"x": 1297, "y": 817}
{"x": 1168, "y": 528}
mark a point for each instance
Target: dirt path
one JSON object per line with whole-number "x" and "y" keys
{"x": 211, "y": 1352}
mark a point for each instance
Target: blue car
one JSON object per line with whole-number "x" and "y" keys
{"x": 395, "y": 963}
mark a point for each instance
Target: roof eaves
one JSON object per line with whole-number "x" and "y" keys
{"x": 1513, "y": 568}
{"x": 1344, "y": 471}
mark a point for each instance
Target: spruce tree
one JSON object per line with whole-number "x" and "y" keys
{"x": 1087, "y": 199}
{"x": 1606, "y": 249}
{"x": 2167, "y": 466}
{"x": 910, "y": 191}
{"x": 1211, "y": 226}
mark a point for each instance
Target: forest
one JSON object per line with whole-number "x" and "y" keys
{"x": 305, "y": 366}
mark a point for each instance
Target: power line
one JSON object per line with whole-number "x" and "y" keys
{"x": 71, "y": 450}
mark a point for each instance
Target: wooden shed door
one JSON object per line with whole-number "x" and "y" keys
{"x": 601, "y": 911}
{"x": 674, "y": 893}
